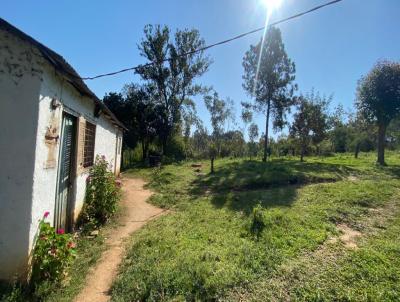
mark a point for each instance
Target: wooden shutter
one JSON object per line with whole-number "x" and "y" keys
{"x": 81, "y": 144}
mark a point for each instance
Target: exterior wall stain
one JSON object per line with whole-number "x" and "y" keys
{"x": 16, "y": 61}
{"x": 52, "y": 136}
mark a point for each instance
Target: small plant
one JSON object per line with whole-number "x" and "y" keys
{"x": 53, "y": 253}
{"x": 102, "y": 194}
{"x": 257, "y": 221}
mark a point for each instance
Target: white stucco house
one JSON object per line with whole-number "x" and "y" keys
{"x": 52, "y": 127}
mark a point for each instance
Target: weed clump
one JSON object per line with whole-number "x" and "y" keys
{"x": 257, "y": 224}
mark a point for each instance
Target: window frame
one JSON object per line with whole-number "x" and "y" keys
{"x": 89, "y": 143}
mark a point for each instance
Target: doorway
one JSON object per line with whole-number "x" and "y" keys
{"x": 65, "y": 178}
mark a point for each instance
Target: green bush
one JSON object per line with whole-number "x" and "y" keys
{"x": 102, "y": 194}
{"x": 175, "y": 150}
{"x": 257, "y": 221}
{"x": 131, "y": 157}
{"x": 53, "y": 253}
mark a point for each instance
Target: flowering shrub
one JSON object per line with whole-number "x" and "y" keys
{"x": 102, "y": 194}
{"x": 53, "y": 253}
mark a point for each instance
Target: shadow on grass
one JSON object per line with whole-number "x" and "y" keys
{"x": 392, "y": 170}
{"x": 251, "y": 175}
{"x": 245, "y": 201}
{"x": 243, "y": 184}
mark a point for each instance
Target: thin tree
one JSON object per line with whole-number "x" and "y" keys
{"x": 378, "y": 99}
{"x": 172, "y": 73}
{"x": 268, "y": 78}
{"x": 247, "y": 115}
{"x": 310, "y": 122}
{"x": 253, "y": 135}
{"x": 219, "y": 112}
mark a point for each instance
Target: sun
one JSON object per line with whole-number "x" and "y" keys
{"x": 272, "y": 5}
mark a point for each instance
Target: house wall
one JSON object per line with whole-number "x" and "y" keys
{"x": 20, "y": 81}
{"x": 45, "y": 176}
{"x": 118, "y": 153}
{"x": 29, "y": 147}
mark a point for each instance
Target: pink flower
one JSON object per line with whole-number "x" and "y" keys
{"x": 46, "y": 214}
{"x": 60, "y": 231}
{"x": 71, "y": 245}
{"x": 103, "y": 157}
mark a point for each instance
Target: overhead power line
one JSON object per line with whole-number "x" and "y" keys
{"x": 219, "y": 43}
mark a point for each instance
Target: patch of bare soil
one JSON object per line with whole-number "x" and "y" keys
{"x": 353, "y": 178}
{"x": 348, "y": 236}
{"x": 136, "y": 213}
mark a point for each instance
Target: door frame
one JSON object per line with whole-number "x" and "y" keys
{"x": 72, "y": 173}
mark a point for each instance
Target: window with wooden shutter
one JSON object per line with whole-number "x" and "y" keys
{"x": 88, "y": 149}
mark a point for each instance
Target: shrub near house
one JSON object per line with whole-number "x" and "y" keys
{"x": 102, "y": 195}
{"x": 54, "y": 252}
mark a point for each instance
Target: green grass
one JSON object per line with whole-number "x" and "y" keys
{"x": 204, "y": 250}
{"x": 370, "y": 273}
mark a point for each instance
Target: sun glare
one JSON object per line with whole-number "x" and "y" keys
{"x": 272, "y": 5}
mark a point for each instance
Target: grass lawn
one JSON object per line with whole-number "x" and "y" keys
{"x": 205, "y": 250}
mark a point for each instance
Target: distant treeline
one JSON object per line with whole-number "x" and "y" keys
{"x": 160, "y": 113}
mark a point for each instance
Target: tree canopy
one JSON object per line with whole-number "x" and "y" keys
{"x": 172, "y": 72}
{"x": 310, "y": 122}
{"x": 220, "y": 111}
{"x": 378, "y": 99}
{"x": 268, "y": 78}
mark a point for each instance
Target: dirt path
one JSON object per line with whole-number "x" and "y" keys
{"x": 136, "y": 213}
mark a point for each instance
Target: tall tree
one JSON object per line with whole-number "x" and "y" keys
{"x": 253, "y": 135}
{"x": 219, "y": 112}
{"x": 310, "y": 122}
{"x": 123, "y": 110}
{"x": 361, "y": 135}
{"x": 190, "y": 119}
{"x": 378, "y": 99}
{"x": 172, "y": 69}
{"x": 200, "y": 141}
{"x": 246, "y": 116}
{"x": 268, "y": 78}
{"x": 339, "y": 134}
{"x": 232, "y": 143}
{"x": 144, "y": 114}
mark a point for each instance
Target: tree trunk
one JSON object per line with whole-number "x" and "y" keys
{"x": 381, "y": 144}
{"x": 212, "y": 165}
{"x": 302, "y": 153}
{"x": 357, "y": 150}
{"x": 266, "y": 133}
{"x": 164, "y": 145}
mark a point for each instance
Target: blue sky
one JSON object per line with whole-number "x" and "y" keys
{"x": 332, "y": 48}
